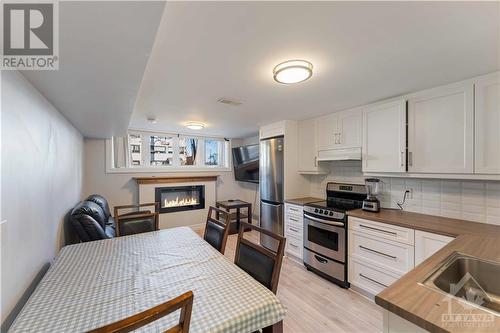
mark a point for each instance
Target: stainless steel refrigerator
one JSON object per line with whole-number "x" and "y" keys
{"x": 271, "y": 170}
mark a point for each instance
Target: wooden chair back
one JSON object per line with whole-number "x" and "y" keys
{"x": 183, "y": 302}
{"x": 217, "y": 228}
{"x": 261, "y": 263}
{"x": 137, "y": 215}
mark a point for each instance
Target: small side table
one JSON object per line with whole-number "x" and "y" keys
{"x": 236, "y": 216}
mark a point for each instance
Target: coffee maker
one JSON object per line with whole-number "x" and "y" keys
{"x": 371, "y": 203}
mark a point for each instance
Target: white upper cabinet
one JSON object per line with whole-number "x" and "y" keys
{"x": 384, "y": 137}
{"x": 487, "y": 124}
{"x": 308, "y": 149}
{"x": 350, "y": 127}
{"x": 327, "y": 134}
{"x": 339, "y": 130}
{"x": 441, "y": 129}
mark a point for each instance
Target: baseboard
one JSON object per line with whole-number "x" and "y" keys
{"x": 363, "y": 293}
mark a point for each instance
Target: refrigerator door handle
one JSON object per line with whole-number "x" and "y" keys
{"x": 271, "y": 203}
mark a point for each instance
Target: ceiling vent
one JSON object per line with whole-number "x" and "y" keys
{"x": 228, "y": 101}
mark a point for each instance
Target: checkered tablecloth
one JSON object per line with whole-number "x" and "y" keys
{"x": 96, "y": 283}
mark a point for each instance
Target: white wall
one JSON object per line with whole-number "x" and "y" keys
{"x": 121, "y": 189}
{"x": 41, "y": 181}
{"x": 462, "y": 199}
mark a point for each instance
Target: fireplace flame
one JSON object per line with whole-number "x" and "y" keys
{"x": 181, "y": 202}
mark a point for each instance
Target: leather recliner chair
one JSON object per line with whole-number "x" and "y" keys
{"x": 92, "y": 219}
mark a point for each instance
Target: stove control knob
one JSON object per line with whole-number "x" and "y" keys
{"x": 321, "y": 211}
{"x": 331, "y": 213}
{"x": 316, "y": 210}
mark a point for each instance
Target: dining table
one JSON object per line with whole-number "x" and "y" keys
{"x": 93, "y": 284}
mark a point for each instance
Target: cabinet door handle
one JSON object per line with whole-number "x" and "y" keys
{"x": 335, "y": 138}
{"x": 372, "y": 280}
{"x": 340, "y": 138}
{"x": 402, "y": 158}
{"x": 377, "y": 252}
{"x": 410, "y": 158}
{"x": 316, "y": 161}
{"x": 377, "y": 229}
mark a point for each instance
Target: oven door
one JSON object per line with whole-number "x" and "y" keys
{"x": 325, "y": 237}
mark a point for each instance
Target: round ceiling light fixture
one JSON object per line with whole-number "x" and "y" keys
{"x": 292, "y": 71}
{"x": 194, "y": 125}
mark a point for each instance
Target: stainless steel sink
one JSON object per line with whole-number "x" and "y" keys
{"x": 473, "y": 280}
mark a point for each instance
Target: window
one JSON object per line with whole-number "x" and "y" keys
{"x": 145, "y": 151}
{"x": 188, "y": 147}
{"x": 213, "y": 152}
{"x": 134, "y": 144}
{"x": 161, "y": 149}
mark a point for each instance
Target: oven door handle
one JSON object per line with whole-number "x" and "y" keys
{"x": 340, "y": 224}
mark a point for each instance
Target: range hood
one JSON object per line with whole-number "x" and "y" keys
{"x": 340, "y": 154}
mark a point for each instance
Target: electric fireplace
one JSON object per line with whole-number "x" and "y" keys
{"x": 180, "y": 198}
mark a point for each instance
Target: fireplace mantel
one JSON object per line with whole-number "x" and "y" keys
{"x": 166, "y": 180}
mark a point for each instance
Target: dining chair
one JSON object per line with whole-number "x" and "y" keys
{"x": 262, "y": 264}
{"x": 129, "y": 324}
{"x": 136, "y": 221}
{"x": 217, "y": 228}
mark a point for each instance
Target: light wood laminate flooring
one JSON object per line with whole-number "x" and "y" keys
{"x": 315, "y": 304}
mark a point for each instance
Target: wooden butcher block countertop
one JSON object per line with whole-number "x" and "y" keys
{"x": 303, "y": 201}
{"x": 426, "y": 307}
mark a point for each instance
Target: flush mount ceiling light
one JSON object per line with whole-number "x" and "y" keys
{"x": 194, "y": 125}
{"x": 292, "y": 71}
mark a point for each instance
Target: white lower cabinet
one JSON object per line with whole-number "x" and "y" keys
{"x": 369, "y": 277}
{"x": 426, "y": 244}
{"x": 380, "y": 253}
{"x": 388, "y": 255}
{"x": 294, "y": 247}
{"x": 395, "y": 324}
{"x": 293, "y": 230}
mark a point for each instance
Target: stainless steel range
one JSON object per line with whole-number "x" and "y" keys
{"x": 325, "y": 231}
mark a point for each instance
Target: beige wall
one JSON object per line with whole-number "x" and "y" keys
{"x": 41, "y": 181}
{"x": 121, "y": 189}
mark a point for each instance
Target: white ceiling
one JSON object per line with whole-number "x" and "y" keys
{"x": 104, "y": 49}
{"x": 361, "y": 52}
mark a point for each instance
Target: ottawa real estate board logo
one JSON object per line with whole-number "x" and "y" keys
{"x": 30, "y": 35}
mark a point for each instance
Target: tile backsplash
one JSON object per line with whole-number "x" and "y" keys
{"x": 462, "y": 199}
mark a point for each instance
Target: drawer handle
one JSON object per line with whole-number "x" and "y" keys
{"x": 295, "y": 246}
{"x": 380, "y": 230}
{"x": 321, "y": 260}
{"x": 293, "y": 229}
{"x": 294, "y": 209}
{"x": 372, "y": 280}
{"x": 377, "y": 252}
{"x": 292, "y": 219}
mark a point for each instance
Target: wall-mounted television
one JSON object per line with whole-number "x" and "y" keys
{"x": 246, "y": 163}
